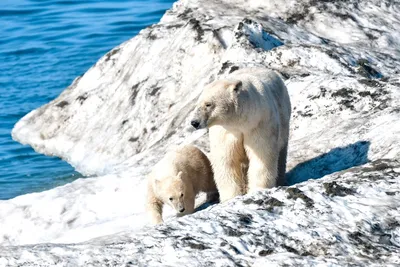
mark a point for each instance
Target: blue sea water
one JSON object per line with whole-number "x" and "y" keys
{"x": 44, "y": 45}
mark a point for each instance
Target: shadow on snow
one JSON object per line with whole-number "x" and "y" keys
{"x": 338, "y": 159}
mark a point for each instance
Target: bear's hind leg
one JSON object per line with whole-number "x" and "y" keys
{"x": 263, "y": 162}
{"x": 212, "y": 197}
{"x": 282, "y": 166}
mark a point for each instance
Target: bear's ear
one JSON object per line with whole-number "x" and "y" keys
{"x": 236, "y": 86}
{"x": 156, "y": 183}
{"x": 179, "y": 176}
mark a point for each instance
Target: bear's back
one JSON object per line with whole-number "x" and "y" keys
{"x": 195, "y": 165}
{"x": 267, "y": 83}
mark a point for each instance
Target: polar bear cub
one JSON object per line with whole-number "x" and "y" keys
{"x": 248, "y": 116}
{"x": 176, "y": 180}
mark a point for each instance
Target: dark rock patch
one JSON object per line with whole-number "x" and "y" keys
{"x": 82, "y": 98}
{"x": 71, "y": 221}
{"x": 285, "y": 75}
{"x": 236, "y": 251}
{"x": 229, "y": 231}
{"x": 228, "y": 65}
{"x": 197, "y": 27}
{"x": 362, "y": 242}
{"x": 268, "y": 204}
{"x": 377, "y": 165}
{"x": 197, "y": 246}
{"x": 264, "y": 252}
{"x": 134, "y": 93}
{"x": 253, "y": 201}
{"x": 370, "y": 83}
{"x": 271, "y": 203}
{"x": 290, "y": 249}
{"x": 380, "y": 165}
{"x": 370, "y": 36}
{"x": 173, "y": 26}
{"x": 233, "y": 68}
{"x": 295, "y": 193}
{"x": 245, "y": 218}
{"x": 111, "y": 53}
{"x": 185, "y": 15}
{"x": 62, "y": 104}
{"x": 154, "y": 90}
{"x": 305, "y": 113}
{"x": 366, "y": 70}
{"x": 345, "y": 16}
{"x": 392, "y": 224}
{"x": 239, "y": 32}
{"x": 133, "y": 139}
{"x": 334, "y": 189}
{"x": 124, "y": 121}
{"x": 331, "y": 54}
{"x": 151, "y": 36}
{"x": 346, "y": 95}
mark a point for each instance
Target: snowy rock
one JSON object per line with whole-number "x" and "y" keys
{"x": 340, "y": 61}
{"x": 347, "y": 218}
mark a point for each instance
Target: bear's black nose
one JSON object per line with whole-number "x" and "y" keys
{"x": 195, "y": 124}
{"x": 182, "y": 210}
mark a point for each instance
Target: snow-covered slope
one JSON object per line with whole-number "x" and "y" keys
{"x": 340, "y": 61}
{"x": 349, "y": 218}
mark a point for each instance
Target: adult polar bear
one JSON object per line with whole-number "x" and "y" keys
{"x": 248, "y": 116}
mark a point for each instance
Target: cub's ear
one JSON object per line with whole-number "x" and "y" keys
{"x": 179, "y": 175}
{"x": 156, "y": 183}
{"x": 236, "y": 86}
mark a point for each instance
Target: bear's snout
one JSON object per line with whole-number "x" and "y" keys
{"x": 182, "y": 210}
{"x": 195, "y": 124}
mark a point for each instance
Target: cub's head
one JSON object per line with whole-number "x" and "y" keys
{"x": 217, "y": 104}
{"x": 172, "y": 190}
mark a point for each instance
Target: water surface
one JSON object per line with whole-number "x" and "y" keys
{"x": 44, "y": 45}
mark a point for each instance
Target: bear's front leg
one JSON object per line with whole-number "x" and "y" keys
{"x": 262, "y": 151}
{"x": 227, "y": 157}
{"x": 154, "y": 211}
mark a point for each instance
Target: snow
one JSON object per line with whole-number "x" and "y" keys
{"x": 348, "y": 217}
{"x": 340, "y": 63}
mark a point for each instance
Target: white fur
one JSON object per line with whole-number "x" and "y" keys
{"x": 248, "y": 116}
{"x": 176, "y": 180}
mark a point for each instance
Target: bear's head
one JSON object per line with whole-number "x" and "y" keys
{"x": 172, "y": 190}
{"x": 218, "y": 104}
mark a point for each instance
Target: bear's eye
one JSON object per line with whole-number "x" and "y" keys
{"x": 181, "y": 195}
{"x": 170, "y": 198}
{"x": 208, "y": 105}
